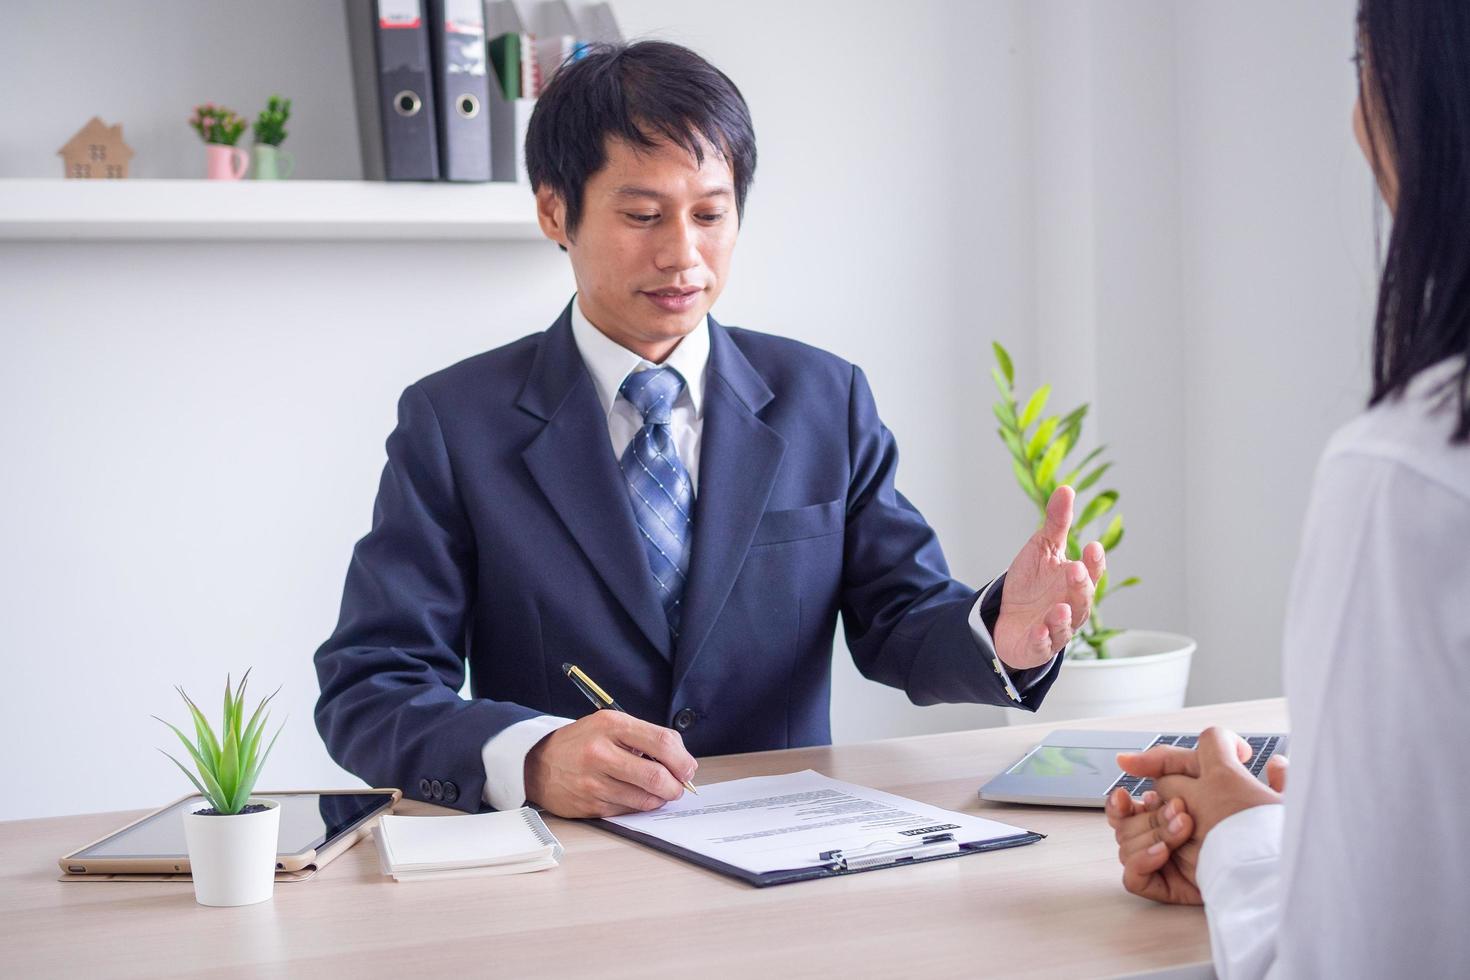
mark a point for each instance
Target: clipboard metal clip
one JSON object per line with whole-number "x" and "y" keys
{"x": 885, "y": 852}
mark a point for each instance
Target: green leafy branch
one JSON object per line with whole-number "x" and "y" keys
{"x": 1040, "y": 446}
{"x": 270, "y": 125}
{"x": 228, "y": 765}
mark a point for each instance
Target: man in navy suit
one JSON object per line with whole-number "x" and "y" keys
{"x": 679, "y": 507}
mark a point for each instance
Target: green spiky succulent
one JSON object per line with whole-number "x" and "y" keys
{"x": 228, "y": 765}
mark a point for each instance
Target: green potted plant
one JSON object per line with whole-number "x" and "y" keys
{"x": 270, "y": 161}
{"x": 232, "y": 841}
{"x": 221, "y": 129}
{"x": 1109, "y": 671}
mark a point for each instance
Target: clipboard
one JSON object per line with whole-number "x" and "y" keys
{"x": 834, "y": 864}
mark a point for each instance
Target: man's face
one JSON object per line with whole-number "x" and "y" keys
{"x": 653, "y": 248}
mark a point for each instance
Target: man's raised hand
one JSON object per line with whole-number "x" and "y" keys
{"x": 1046, "y": 597}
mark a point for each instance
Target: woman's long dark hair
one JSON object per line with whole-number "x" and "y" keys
{"x": 1418, "y": 116}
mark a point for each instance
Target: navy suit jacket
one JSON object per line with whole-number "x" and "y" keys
{"x": 503, "y": 536}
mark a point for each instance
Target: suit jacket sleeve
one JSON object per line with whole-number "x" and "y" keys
{"x": 906, "y": 620}
{"x": 390, "y": 675}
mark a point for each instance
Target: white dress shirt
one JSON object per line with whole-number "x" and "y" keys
{"x": 609, "y": 364}
{"x": 1364, "y": 871}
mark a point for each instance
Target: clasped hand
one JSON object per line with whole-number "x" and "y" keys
{"x": 1159, "y": 837}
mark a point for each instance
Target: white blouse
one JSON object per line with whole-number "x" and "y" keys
{"x": 1365, "y": 869}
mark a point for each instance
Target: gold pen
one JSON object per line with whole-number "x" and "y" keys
{"x": 601, "y": 699}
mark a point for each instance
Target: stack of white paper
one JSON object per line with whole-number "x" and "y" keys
{"x": 424, "y": 848}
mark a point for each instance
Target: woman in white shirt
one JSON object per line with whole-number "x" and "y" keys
{"x": 1362, "y": 869}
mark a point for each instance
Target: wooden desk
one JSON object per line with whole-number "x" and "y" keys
{"x": 613, "y": 908}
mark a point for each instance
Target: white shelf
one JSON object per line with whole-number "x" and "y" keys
{"x": 249, "y": 210}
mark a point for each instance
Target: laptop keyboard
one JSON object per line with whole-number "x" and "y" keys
{"x": 1262, "y": 748}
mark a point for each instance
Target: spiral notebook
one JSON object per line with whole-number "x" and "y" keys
{"x": 430, "y": 848}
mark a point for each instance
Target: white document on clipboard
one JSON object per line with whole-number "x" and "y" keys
{"x": 804, "y": 819}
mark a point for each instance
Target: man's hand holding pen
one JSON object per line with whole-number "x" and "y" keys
{"x": 605, "y": 764}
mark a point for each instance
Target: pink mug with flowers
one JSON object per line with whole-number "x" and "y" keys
{"x": 225, "y": 162}
{"x": 221, "y": 129}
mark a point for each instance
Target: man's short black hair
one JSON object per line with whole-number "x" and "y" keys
{"x": 641, "y": 93}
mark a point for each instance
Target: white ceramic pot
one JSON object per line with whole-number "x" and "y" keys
{"x": 233, "y": 859}
{"x": 1146, "y": 671}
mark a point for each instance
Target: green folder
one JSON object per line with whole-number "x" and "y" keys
{"x": 505, "y": 55}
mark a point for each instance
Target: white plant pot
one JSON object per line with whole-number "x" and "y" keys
{"x": 1146, "y": 671}
{"x": 233, "y": 859}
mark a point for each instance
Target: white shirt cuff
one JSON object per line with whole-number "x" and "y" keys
{"x": 987, "y": 642}
{"x": 504, "y": 756}
{"x": 1242, "y": 838}
{"x": 1239, "y": 876}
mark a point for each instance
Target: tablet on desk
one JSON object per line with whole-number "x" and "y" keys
{"x": 316, "y": 826}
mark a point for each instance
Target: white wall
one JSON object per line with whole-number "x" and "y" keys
{"x": 1277, "y": 279}
{"x": 146, "y": 65}
{"x": 1107, "y": 272}
{"x": 1205, "y": 276}
{"x": 192, "y": 433}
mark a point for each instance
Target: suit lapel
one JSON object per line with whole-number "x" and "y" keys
{"x": 572, "y": 463}
{"x": 738, "y": 459}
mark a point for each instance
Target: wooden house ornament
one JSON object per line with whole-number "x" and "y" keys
{"x": 97, "y": 150}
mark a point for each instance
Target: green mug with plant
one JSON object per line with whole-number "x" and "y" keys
{"x": 1039, "y": 446}
{"x": 271, "y": 162}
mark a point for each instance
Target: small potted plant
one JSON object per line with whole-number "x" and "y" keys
{"x": 1108, "y": 671}
{"x": 232, "y": 842}
{"x": 221, "y": 129}
{"x": 271, "y": 162}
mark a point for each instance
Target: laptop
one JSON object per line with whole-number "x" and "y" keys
{"x": 1080, "y": 768}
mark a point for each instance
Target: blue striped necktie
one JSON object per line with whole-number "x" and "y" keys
{"x": 659, "y": 487}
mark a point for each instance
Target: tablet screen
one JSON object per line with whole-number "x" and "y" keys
{"x": 1069, "y": 761}
{"x": 308, "y": 820}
